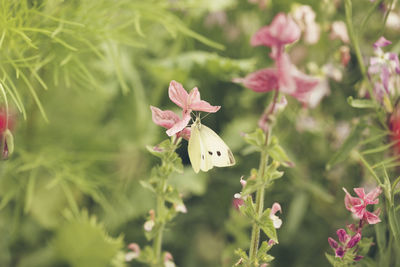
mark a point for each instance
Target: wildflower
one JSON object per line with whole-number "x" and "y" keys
{"x": 237, "y": 201}
{"x": 385, "y": 66}
{"x": 358, "y": 206}
{"x": 168, "y": 119}
{"x": 168, "y": 260}
{"x": 284, "y": 77}
{"x": 346, "y": 242}
{"x": 180, "y": 208}
{"x": 304, "y": 16}
{"x": 188, "y": 102}
{"x": 275, "y": 219}
{"x": 134, "y": 253}
{"x": 282, "y": 30}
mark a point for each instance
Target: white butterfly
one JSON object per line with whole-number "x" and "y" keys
{"x": 206, "y": 149}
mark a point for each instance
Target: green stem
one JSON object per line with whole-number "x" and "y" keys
{"x": 160, "y": 209}
{"x": 255, "y": 233}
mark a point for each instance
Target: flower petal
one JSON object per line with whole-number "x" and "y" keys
{"x": 350, "y": 201}
{"x": 194, "y": 102}
{"x": 354, "y": 240}
{"x": 180, "y": 125}
{"x": 360, "y": 192}
{"x": 332, "y": 242}
{"x": 178, "y": 94}
{"x": 164, "y": 118}
{"x": 264, "y": 80}
{"x": 372, "y": 218}
{"x": 381, "y": 42}
{"x": 339, "y": 252}
{"x": 275, "y": 208}
{"x": 342, "y": 235}
{"x": 395, "y": 58}
{"x": 282, "y": 30}
{"x": 371, "y": 197}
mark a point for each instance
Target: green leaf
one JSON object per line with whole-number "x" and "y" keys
{"x": 256, "y": 138}
{"x": 278, "y": 153}
{"x": 332, "y": 260}
{"x": 84, "y": 242}
{"x": 148, "y": 185}
{"x": 267, "y": 225}
{"x": 360, "y": 103}
{"x": 351, "y": 142}
{"x": 172, "y": 196}
{"x": 248, "y": 208}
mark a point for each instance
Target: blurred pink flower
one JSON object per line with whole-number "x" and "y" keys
{"x": 168, "y": 120}
{"x": 358, "y": 205}
{"x": 275, "y": 219}
{"x": 286, "y": 78}
{"x": 134, "y": 253}
{"x": 282, "y": 30}
{"x": 339, "y": 31}
{"x": 188, "y": 102}
{"x": 304, "y": 16}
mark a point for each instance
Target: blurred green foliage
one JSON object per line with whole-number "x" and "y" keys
{"x": 80, "y": 76}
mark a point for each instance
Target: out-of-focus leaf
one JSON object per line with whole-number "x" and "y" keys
{"x": 297, "y": 211}
{"x": 189, "y": 183}
{"x": 360, "y": 103}
{"x": 84, "y": 242}
{"x": 351, "y": 142}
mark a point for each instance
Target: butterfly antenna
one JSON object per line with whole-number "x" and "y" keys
{"x": 206, "y": 115}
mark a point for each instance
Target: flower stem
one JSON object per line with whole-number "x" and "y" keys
{"x": 159, "y": 210}
{"x": 255, "y": 233}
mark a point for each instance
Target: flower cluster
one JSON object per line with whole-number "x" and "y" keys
{"x": 346, "y": 242}
{"x": 383, "y": 70}
{"x": 358, "y": 207}
{"x": 284, "y": 77}
{"x": 188, "y": 102}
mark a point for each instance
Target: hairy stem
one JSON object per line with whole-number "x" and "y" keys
{"x": 159, "y": 209}
{"x": 255, "y": 233}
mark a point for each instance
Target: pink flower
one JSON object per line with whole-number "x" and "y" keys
{"x": 358, "y": 206}
{"x": 285, "y": 78}
{"x": 188, "y": 102}
{"x": 346, "y": 242}
{"x": 282, "y": 30}
{"x": 275, "y": 219}
{"x": 134, "y": 253}
{"x": 168, "y": 120}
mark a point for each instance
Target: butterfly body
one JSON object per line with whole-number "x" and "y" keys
{"x": 206, "y": 149}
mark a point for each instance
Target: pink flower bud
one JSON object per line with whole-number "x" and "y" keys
{"x": 134, "y": 253}
{"x": 354, "y": 240}
{"x": 332, "y": 243}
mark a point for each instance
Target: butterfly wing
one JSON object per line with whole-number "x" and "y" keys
{"x": 197, "y": 150}
{"x": 215, "y": 148}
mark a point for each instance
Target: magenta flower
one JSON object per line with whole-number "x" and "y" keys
{"x": 346, "y": 242}
{"x": 169, "y": 119}
{"x": 188, "y": 102}
{"x": 282, "y": 30}
{"x": 358, "y": 205}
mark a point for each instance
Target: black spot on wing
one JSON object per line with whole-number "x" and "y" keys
{"x": 209, "y": 152}
{"x": 202, "y": 157}
{"x": 219, "y": 153}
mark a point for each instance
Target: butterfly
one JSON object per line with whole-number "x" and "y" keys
{"x": 206, "y": 149}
